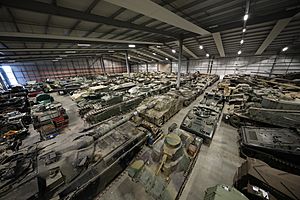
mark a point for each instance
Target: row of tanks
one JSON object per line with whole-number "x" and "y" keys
{"x": 118, "y": 94}
{"x": 82, "y": 164}
{"x": 266, "y": 113}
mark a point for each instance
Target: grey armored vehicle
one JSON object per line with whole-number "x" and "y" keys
{"x": 279, "y": 147}
{"x": 71, "y": 166}
{"x": 160, "y": 171}
{"x": 259, "y": 181}
{"x": 203, "y": 118}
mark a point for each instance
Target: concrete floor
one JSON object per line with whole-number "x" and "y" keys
{"x": 216, "y": 163}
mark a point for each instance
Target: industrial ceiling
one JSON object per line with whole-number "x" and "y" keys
{"x": 149, "y": 30}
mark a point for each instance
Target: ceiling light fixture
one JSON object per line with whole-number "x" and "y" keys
{"x": 244, "y": 30}
{"x": 59, "y": 58}
{"x": 242, "y": 41}
{"x": 239, "y": 52}
{"x": 207, "y": 55}
{"x": 246, "y": 16}
{"x": 83, "y": 45}
{"x": 131, "y": 45}
{"x": 54, "y": 60}
{"x": 111, "y": 51}
{"x": 173, "y": 51}
{"x": 285, "y": 48}
{"x": 129, "y": 57}
{"x": 63, "y": 55}
{"x": 70, "y": 51}
{"x": 154, "y": 53}
{"x": 201, "y": 47}
{"x": 158, "y": 46}
{"x": 167, "y": 58}
{"x": 1, "y": 53}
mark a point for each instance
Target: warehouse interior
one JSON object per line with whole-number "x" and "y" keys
{"x": 150, "y": 99}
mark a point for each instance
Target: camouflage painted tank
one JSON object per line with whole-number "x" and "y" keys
{"x": 162, "y": 108}
{"x": 187, "y": 94}
{"x": 71, "y": 166}
{"x": 160, "y": 171}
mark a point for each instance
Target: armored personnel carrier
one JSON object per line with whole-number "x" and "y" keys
{"x": 71, "y": 166}
{"x": 223, "y": 192}
{"x": 160, "y": 171}
{"x": 279, "y": 147}
{"x": 259, "y": 181}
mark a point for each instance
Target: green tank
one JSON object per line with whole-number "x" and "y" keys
{"x": 223, "y": 192}
{"x": 162, "y": 108}
{"x": 160, "y": 171}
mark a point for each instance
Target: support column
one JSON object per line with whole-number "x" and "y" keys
{"x": 112, "y": 66}
{"x": 211, "y": 64}
{"x": 208, "y": 66}
{"x": 179, "y": 64}
{"x": 103, "y": 65}
{"x": 287, "y": 69}
{"x": 273, "y": 65}
{"x": 146, "y": 67}
{"x": 127, "y": 63}
{"x": 187, "y": 65}
{"x": 171, "y": 67}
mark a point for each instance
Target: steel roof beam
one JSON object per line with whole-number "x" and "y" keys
{"x": 187, "y": 50}
{"x": 146, "y": 55}
{"x": 219, "y": 44}
{"x": 155, "y": 11}
{"x": 162, "y": 52}
{"x": 60, "y": 49}
{"x": 279, "y": 26}
{"x": 136, "y": 57}
{"x": 46, "y": 37}
{"x": 46, "y": 8}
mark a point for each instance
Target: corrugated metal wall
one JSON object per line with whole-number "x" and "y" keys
{"x": 41, "y": 70}
{"x": 262, "y": 65}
